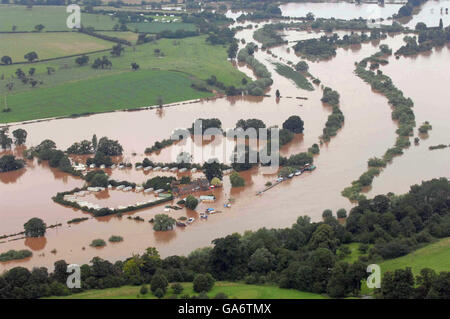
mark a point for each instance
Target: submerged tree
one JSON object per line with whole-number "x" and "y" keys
{"x": 35, "y": 227}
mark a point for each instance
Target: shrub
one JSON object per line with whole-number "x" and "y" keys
{"x": 236, "y": 180}
{"x": 159, "y": 293}
{"x": 98, "y": 243}
{"x": 191, "y": 202}
{"x": 143, "y": 290}
{"x": 15, "y": 255}
{"x": 177, "y": 288}
{"x": 159, "y": 282}
{"x": 203, "y": 283}
{"x": 221, "y": 295}
{"x": 115, "y": 239}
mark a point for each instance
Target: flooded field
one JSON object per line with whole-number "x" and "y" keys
{"x": 430, "y": 12}
{"x": 368, "y": 131}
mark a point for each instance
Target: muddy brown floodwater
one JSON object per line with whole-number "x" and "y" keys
{"x": 368, "y": 132}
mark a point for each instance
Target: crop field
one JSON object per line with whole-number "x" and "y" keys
{"x": 49, "y": 45}
{"x": 53, "y": 18}
{"x": 119, "y": 91}
{"x": 231, "y": 289}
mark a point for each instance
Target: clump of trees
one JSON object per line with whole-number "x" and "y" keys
{"x": 10, "y": 163}
{"x": 236, "y": 180}
{"x": 264, "y": 77}
{"x": 294, "y": 124}
{"x": 98, "y": 243}
{"x": 163, "y": 222}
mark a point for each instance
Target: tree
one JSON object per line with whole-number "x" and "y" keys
{"x": 39, "y": 27}
{"x": 99, "y": 180}
{"x": 261, "y": 261}
{"x": 159, "y": 293}
{"x": 94, "y": 142}
{"x": 327, "y": 213}
{"x": 9, "y": 163}
{"x": 35, "y": 227}
{"x": 177, "y": 288}
{"x": 20, "y": 136}
{"x": 441, "y": 24}
{"x": 5, "y": 140}
{"x": 216, "y": 182}
{"x": 341, "y": 213}
{"x": 191, "y": 202}
{"x": 117, "y": 50}
{"x": 212, "y": 169}
{"x": 82, "y": 60}
{"x": 50, "y": 70}
{"x": 398, "y": 284}
{"x": 302, "y": 66}
{"x": 109, "y": 147}
{"x": 324, "y": 237}
{"x": 6, "y": 60}
{"x": 203, "y": 283}
{"x": 159, "y": 282}
{"x": 31, "y": 56}
{"x": 135, "y": 66}
{"x": 163, "y": 222}
{"x": 143, "y": 290}
{"x": 236, "y": 180}
{"x": 294, "y": 124}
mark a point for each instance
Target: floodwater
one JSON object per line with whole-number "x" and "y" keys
{"x": 429, "y": 13}
{"x": 339, "y": 10}
{"x": 368, "y": 132}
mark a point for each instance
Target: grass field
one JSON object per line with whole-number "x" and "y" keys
{"x": 49, "y": 45}
{"x": 67, "y": 91}
{"x": 232, "y": 290}
{"x": 435, "y": 256}
{"x": 299, "y": 79}
{"x": 126, "y": 35}
{"x": 156, "y": 27}
{"x": 119, "y": 91}
{"x": 53, "y": 18}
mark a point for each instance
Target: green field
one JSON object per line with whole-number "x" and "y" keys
{"x": 119, "y": 91}
{"x": 67, "y": 90}
{"x": 156, "y": 27}
{"x": 435, "y": 256}
{"x": 126, "y": 35}
{"x": 49, "y": 45}
{"x": 232, "y": 290}
{"x": 53, "y": 18}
